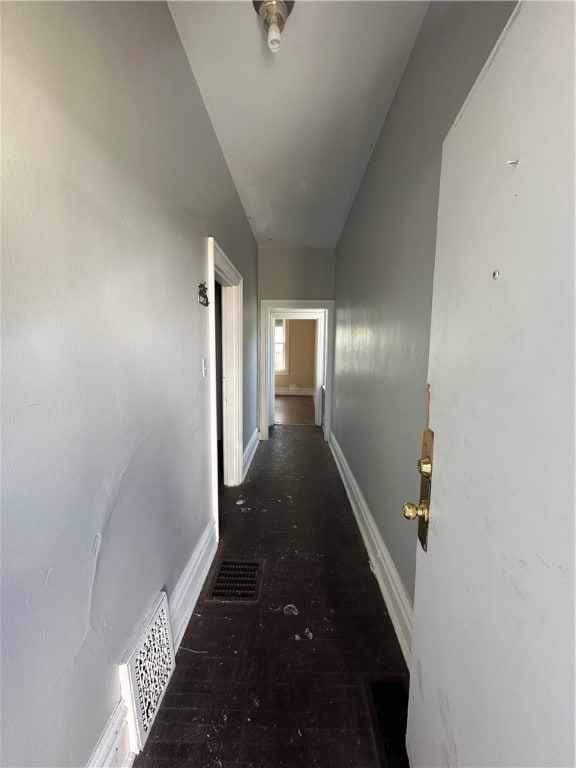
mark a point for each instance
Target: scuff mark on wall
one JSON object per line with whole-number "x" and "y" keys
{"x": 420, "y": 677}
{"x": 449, "y": 749}
{"x": 103, "y": 624}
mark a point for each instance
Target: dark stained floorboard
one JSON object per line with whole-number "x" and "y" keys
{"x": 246, "y": 692}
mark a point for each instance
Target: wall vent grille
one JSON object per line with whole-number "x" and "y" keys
{"x": 146, "y": 671}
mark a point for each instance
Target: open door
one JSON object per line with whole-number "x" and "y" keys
{"x": 492, "y": 677}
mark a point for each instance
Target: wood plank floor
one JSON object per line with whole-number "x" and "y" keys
{"x": 255, "y": 687}
{"x": 293, "y": 409}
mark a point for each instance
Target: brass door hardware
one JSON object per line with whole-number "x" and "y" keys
{"x": 422, "y": 510}
{"x": 425, "y": 466}
{"x": 411, "y": 511}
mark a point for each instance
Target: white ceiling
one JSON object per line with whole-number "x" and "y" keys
{"x": 297, "y": 128}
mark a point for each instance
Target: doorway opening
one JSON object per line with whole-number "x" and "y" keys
{"x": 218, "y": 378}
{"x": 282, "y": 380}
{"x": 225, "y": 371}
{"x": 294, "y": 371}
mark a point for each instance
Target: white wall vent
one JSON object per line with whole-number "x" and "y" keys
{"x": 146, "y": 671}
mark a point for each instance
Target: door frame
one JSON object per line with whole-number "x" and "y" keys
{"x": 222, "y": 270}
{"x": 296, "y": 309}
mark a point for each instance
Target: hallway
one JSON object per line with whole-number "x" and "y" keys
{"x": 181, "y": 209}
{"x": 255, "y": 685}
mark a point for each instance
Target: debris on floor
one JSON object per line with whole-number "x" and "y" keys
{"x": 262, "y": 696}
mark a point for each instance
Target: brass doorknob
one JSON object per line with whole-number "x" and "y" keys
{"x": 425, "y": 466}
{"x": 411, "y": 511}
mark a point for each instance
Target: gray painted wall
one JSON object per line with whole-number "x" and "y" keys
{"x": 384, "y": 270}
{"x": 295, "y": 273}
{"x": 111, "y": 179}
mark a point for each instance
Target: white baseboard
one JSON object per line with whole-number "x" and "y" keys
{"x": 249, "y": 452}
{"x": 294, "y": 391}
{"x": 393, "y": 591}
{"x": 186, "y": 592}
{"x": 113, "y": 748}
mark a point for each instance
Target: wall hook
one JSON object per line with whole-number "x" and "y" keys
{"x": 203, "y": 294}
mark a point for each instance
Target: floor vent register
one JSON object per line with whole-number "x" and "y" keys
{"x": 237, "y": 581}
{"x": 389, "y": 705}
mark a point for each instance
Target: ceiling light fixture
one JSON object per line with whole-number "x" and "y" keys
{"x": 273, "y": 15}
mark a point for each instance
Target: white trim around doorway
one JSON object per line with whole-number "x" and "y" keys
{"x": 295, "y": 309}
{"x": 225, "y": 273}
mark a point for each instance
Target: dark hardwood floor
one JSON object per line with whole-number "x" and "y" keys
{"x": 293, "y": 409}
{"x": 257, "y": 685}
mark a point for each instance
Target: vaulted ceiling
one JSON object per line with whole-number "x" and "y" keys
{"x": 297, "y": 128}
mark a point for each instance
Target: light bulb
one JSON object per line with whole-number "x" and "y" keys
{"x": 274, "y": 36}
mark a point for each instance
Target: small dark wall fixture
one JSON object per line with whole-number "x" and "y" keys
{"x": 203, "y": 294}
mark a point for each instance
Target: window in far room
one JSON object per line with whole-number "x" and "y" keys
{"x": 281, "y": 346}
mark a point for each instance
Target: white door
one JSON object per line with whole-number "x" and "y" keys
{"x": 492, "y": 668}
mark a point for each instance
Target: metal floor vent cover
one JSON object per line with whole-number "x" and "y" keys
{"x": 237, "y": 581}
{"x": 390, "y": 711}
{"x": 146, "y": 671}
